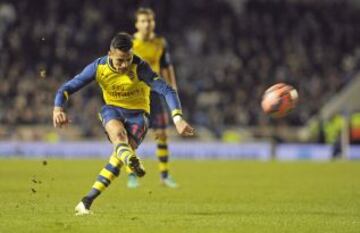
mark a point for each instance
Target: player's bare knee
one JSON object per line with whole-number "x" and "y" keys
{"x": 118, "y": 136}
{"x": 121, "y": 135}
{"x": 116, "y": 131}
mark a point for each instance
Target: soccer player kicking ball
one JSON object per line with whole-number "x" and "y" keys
{"x": 125, "y": 81}
{"x": 154, "y": 50}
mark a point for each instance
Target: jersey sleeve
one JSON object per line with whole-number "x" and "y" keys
{"x": 165, "y": 59}
{"x": 86, "y": 76}
{"x": 158, "y": 85}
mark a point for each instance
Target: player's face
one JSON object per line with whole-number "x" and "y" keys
{"x": 121, "y": 60}
{"x": 145, "y": 24}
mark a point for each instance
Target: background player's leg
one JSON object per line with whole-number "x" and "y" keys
{"x": 159, "y": 122}
{"x": 162, "y": 153}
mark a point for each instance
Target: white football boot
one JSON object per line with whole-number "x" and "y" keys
{"x": 80, "y": 209}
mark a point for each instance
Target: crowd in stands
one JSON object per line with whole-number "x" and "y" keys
{"x": 224, "y": 56}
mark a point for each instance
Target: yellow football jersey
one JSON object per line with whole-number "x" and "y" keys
{"x": 150, "y": 51}
{"x": 123, "y": 90}
{"x": 130, "y": 90}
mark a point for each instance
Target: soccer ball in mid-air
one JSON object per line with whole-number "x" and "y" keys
{"x": 279, "y": 99}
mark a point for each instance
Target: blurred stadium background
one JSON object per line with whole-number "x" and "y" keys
{"x": 226, "y": 53}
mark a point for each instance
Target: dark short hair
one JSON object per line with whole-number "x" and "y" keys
{"x": 144, "y": 11}
{"x": 122, "y": 41}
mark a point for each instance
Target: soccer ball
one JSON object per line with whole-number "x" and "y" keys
{"x": 279, "y": 99}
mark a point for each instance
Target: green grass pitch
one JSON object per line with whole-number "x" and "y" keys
{"x": 215, "y": 196}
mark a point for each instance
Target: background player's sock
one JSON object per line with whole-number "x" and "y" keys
{"x": 162, "y": 153}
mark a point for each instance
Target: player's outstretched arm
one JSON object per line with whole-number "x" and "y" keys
{"x": 167, "y": 68}
{"x": 182, "y": 127}
{"x": 169, "y": 75}
{"x": 60, "y": 117}
{"x": 172, "y": 99}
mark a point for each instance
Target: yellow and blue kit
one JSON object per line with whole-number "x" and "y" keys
{"x": 126, "y": 96}
{"x": 156, "y": 53}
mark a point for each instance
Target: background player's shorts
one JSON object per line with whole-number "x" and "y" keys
{"x": 159, "y": 116}
{"x": 136, "y": 122}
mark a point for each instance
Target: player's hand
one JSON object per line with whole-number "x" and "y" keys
{"x": 184, "y": 128}
{"x": 59, "y": 117}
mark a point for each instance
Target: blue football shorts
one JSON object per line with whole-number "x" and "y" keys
{"x": 136, "y": 122}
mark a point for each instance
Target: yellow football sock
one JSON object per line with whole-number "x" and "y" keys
{"x": 162, "y": 153}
